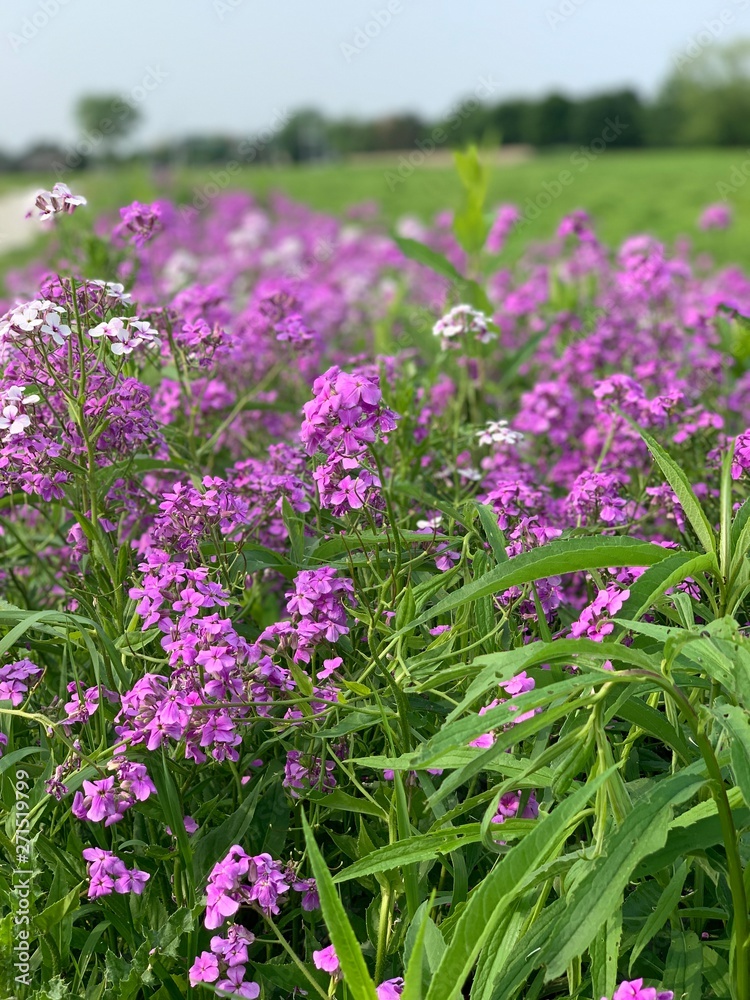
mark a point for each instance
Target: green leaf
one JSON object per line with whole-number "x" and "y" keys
{"x": 436, "y": 262}
{"x": 169, "y": 800}
{"x": 659, "y": 916}
{"x": 568, "y": 556}
{"x": 660, "y": 578}
{"x": 716, "y": 973}
{"x": 681, "y": 486}
{"x": 499, "y": 948}
{"x": 415, "y": 963}
{"x": 12, "y": 758}
{"x": 406, "y": 608}
{"x": 492, "y": 532}
{"x": 683, "y": 972}
{"x": 423, "y": 949}
{"x": 509, "y": 879}
{"x": 735, "y": 722}
{"x": 339, "y": 799}
{"x": 424, "y": 847}
{"x": 604, "y": 952}
{"x": 347, "y": 947}
{"x": 213, "y": 845}
{"x": 597, "y": 895}
{"x": 52, "y": 916}
{"x": 425, "y": 255}
{"x": 295, "y": 527}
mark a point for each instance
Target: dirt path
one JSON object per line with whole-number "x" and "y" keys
{"x": 15, "y": 229}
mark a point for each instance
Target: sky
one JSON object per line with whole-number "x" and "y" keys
{"x": 240, "y": 66}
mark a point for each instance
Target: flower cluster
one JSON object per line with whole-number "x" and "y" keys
{"x": 225, "y": 964}
{"x": 108, "y": 874}
{"x": 716, "y": 216}
{"x": 141, "y": 222}
{"x": 126, "y": 334}
{"x": 517, "y": 685}
{"x": 633, "y": 989}
{"x": 462, "y": 324}
{"x": 343, "y": 420}
{"x": 108, "y": 799}
{"x": 595, "y": 621}
{"x": 241, "y": 879}
{"x": 15, "y": 679}
{"x": 189, "y": 516}
{"x": 50, "y": 203}
{"x": 303, "y": 773}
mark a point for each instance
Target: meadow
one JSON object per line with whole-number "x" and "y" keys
{"x": 653, "y": 191}
{"x": 374, "y": 593}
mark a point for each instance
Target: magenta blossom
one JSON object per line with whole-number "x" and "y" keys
{"x": 327, "y": 960}
{"x": 635, "y": 990}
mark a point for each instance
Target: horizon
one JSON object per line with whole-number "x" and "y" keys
{"x": 228, "y": 68}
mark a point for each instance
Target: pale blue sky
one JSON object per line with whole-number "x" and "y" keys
{"x": 231, "y": 65}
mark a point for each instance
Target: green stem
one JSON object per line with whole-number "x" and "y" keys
{"x": 283, "y": 942}
{"x": 384, "y": 932}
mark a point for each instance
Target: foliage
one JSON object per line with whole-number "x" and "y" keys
{"x": 373, "y": 617}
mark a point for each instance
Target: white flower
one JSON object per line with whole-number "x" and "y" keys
{"x": 498, "y": 432}
{"x": 59, "y": 199}
{"x": 113, "y": 290}
{"x": 13, "y": 419}
{"x": 430, "y": 524}
{"x": 126, "y": 334}
{"x": 473, "y": 475}
{"x": 460, "y": 322}
{"x": 55, "y": 328}
{"x": 24, "y": 318}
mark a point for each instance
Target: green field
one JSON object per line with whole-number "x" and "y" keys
{"x": 660, "y": 192}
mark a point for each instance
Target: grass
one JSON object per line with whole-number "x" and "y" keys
{"x": 655, "y": 191}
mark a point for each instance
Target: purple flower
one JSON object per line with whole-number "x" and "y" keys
{"x": 716, "y": 216}
{"x": 309, "y": 889}
{"x": 391, "y": 989}
{"x": 635, "y": 990}
{"x": 100, "y": 799}
{"x": 205, "y": 969}
{"x": 143, "y": 222}
{"x": 327, "y": 960}
{"x": 506, "y": 218}
{"x": 14, "y": 680}
{"x": 594, "y": 621}
{"x": 235, "y": 984}
{"x": 59, "y": 199}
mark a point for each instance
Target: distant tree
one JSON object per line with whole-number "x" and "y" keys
{"x": 106, "y": 119}
{"x": 549, "y": 121}
{"x": 202, "y": 150}
{"x": 706, "y": 100}
{"x": 589, "y": 118}
{"x": 513, "y": 120}
{"x": 398, "y": 131}
{"x": 304, "y": 137}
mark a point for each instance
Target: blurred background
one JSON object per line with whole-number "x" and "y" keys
{"x": 639, "y": 112}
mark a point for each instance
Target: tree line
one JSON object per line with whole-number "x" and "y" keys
{"x": 705, "y": 101}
